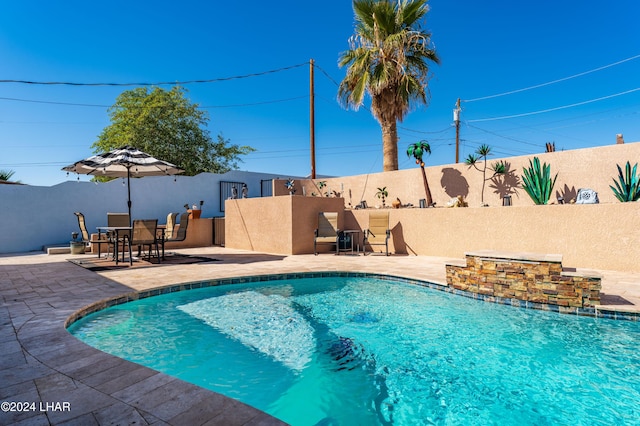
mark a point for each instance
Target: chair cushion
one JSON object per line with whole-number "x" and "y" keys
{"x": 326, "y": 239}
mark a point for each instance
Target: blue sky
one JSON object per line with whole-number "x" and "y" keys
{"x": 486, "y": 48}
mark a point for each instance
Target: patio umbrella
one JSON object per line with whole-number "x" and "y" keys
{"x": 124, "y": 162}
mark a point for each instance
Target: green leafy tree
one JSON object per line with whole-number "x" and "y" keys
{"x": 389, "y": 59}
{"x": 483, "y": 152}
{"x": 165, "y": 124}
{"x": 417, "y": 150}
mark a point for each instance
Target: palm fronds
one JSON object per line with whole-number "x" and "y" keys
{"x": 418, "y": 149}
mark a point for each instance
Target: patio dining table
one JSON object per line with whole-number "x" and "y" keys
{"x": 116, "y": 231}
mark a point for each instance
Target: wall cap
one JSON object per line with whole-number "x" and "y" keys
{"x": 496, "y": 254}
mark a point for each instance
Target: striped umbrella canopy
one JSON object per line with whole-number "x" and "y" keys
{"x": 124, "y": 162}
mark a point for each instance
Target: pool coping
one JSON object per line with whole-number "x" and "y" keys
{"x": 593, "y": 311}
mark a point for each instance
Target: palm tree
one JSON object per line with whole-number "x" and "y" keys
{"x": 389, "y": 59}
{"x": 417, "y": 150}
{"x": 382, "y": 194}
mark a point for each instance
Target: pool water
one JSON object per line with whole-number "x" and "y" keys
{"x": 366, "y": 351}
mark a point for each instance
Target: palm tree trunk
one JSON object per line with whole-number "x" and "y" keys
{"x": 389, "y": 146}
{"x": 426, "y": 187}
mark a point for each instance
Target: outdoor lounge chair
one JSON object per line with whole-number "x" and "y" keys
{"x": 86, "y": 237}
{"x": 327, "y": 231}
{"x": 143, "y": 233}
{"x": 378, "y": 232}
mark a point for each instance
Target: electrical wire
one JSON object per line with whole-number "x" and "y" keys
{"x": 552, "y": 82}
{"x": 505, "y": 117}
{"x": 504, "y": 137}
{"x": 162, "y": 83}
{"x": 326, "y": 74}
{"x": 425, "y": 132}
{"x": 255, "y": 103}
{"x": 159, "y": 106}
{"x": 52, "y": 102}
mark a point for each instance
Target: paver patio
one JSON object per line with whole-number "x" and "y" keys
{"x": 42, "y": 363}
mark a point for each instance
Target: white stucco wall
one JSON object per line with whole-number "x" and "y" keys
{"x": 37, "y": 216}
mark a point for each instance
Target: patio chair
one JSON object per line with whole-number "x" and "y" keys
{"x": 327, "y": 231}
{"x": 378, "y": 232}
{"x": 181, "y": 233}
{"x": 171, "y": 223}
{"x": 118, "y": 220}
{"x": 86, "y": 237}
{"x": 143, "y": 233}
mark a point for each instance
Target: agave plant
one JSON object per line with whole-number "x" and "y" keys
{"x": 6, "y": 174}
{"x": 537, "y": 181}
{"x": 628, "y": 184}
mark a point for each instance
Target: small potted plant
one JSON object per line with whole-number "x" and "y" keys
{"x": 195, "y": 211}
{"x": 77, "y": 246}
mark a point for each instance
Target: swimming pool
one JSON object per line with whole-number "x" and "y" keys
{"x": 343, "y": 350}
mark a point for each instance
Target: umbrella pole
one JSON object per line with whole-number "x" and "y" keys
{"x": 129, "y": 192}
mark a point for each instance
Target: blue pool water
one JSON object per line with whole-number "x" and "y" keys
{"x": 363, "y": 351}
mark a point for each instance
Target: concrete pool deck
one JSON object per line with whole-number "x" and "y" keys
{"x": 64, "y": 381}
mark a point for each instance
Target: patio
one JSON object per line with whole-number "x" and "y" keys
{"x": 43, "y": 363}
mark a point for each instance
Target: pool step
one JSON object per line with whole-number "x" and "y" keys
{"x": 57, "y": 249}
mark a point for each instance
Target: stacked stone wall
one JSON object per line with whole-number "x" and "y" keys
{"x": 533, "y": 278}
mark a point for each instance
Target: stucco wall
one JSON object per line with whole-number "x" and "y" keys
{"x": 593, "y": 168}
{"x": 599, "y": 236}
{"x": 281, "y": 225}
{"x": 602, "y": 236}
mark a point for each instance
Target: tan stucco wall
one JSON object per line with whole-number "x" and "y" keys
{"x": 281, "y": 225}
{"x": 602, "y": 236}
{"x": 593, "y": 168}
{"x": 199, "y": 234}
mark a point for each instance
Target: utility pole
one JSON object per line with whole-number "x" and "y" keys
{"x": 312, "y": 124}
{"x": 456, "y": 119}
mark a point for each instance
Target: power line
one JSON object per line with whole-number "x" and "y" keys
{"x": 425, "y": 132}
{"x": 173, "y": 83}
{"x": 159, "y": 106}
{"x": 554, "y": 109}
{"x": 552, "y": 82}
{"x": 326, "y": 74}
{"x": 504, "y": 137}
{"x": 52, "y": 102}
{"x": 256, "y": 103}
